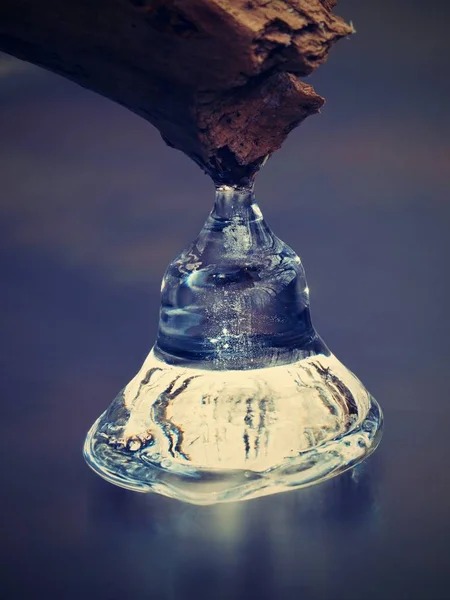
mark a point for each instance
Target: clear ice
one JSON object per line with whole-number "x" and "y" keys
{"x": 239, "y": 397}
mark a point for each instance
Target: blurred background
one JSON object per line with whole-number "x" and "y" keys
{"x": 93, "y": 206}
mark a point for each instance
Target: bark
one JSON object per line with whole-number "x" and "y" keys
{"x": 220, "y": 79}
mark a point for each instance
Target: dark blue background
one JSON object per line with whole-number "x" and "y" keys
{"x": 92, "y": 208}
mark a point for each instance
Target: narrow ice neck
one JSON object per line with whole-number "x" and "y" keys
{"x": 235, "y": 204}
{"x": 236, "y": 298}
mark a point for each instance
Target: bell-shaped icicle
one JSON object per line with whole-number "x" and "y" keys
{"x": 239, "y": 397}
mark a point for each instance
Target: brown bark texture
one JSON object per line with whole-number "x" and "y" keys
{"x": 220, "y": 79}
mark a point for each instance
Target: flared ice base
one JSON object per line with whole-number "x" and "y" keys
{"x": 207, "y": 436}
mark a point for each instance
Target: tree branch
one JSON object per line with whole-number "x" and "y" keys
{"x": 218, "y": 78}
